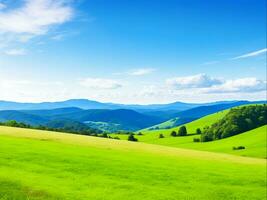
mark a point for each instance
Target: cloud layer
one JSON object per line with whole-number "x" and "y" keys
{"x": 195, "y": 81}
{"x": 100, "y": 83}
{"x": 203, "y": 83}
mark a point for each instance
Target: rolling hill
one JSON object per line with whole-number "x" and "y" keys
{"x": 45, "y": 165}
{"x": 189, "y": 115}
{"x": 114, "y": 120}
{"x": 254, "y": 142}
{"x": 20, "y": 116}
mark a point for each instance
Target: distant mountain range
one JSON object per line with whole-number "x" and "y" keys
{"x": 89, "y": 104}
{"x": 125, "y": 119}
{"x": 108, "y": 116}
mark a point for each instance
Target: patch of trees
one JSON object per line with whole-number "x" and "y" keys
{"x": 181, "y": 132}
{"x": 74, "y": 130}
{"x": 132, "y": 138}
{"x": 89, "y": 131}
{"x": 236, "y": 121}
{"x": 13, "y": 123}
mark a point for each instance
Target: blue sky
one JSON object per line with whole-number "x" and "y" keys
{"x": 140, "y": 51}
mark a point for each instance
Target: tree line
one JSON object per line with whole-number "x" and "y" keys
{"x": 236, "y": 121}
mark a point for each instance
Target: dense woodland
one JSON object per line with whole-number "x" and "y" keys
{"x": 238, "y": 120}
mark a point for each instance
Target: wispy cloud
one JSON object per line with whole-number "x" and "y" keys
{"x": 33, "y": 18}
{"x": 251, "y": 54}
{"x": 16, "y": 52}
{"x": 141, "y": 71}
{"x": 100, "y": 83}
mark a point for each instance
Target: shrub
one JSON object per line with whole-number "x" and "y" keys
{"x": 239, "y": 148}
{"x": 198, "y": 131}
{"x": 105, "y": 135}
{"x": 196, "y": 139}
{"x": 140, "y": 133}
{"x": 161, "y": 135}
{"x": 173, "y": 134}
{"x": 132, "y": 138}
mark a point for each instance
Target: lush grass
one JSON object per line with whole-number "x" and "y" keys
{"x": 44, "y": 165}
{"x": 254, "y": 141}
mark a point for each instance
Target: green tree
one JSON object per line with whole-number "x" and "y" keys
{"x": 198, "y": 131}
{"x": 132, "y": 138}
{"x": 173, "y": 134}
{"x": 182, "y": 131}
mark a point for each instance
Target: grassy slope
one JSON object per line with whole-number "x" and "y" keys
{"x": 254, "y": 141}
{"x": 163, "y": 125}
{"x": 192, "y": 126}
{"x": 152, "y": 136}
{"x": 43, "y": 165}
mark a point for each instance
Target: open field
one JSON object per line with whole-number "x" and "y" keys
{"x": 45, "y": 165}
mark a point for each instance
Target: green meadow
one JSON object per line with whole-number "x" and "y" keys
{"x": 39, "y": 165}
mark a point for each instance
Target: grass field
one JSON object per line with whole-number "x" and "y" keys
{"x": 192, "y": 126}
{"x": 254, "y": 141}
{"x": 45, "y": 165}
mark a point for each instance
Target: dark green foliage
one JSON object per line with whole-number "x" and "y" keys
{"x": 14, "y": 123}
{"x": 182, "y": 131}
{"x": 239, "y": 148}
{"x": 161, "y": 135}
{"x": 104, "y": 135}
{"x": 132, "y": 138}
{"x": 173, "y": 134}
{"x": 67, "y": 129}
{"x": 237, "y": 121}
{"x": 67, "y": 125}
{"x": 198, "y": 131}
{"x": 196, "y": 139}
{"x": 140, "y": 133}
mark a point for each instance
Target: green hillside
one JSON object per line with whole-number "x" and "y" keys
{"x": 254, "y": 142}
{"x": 46, "y": 165}
{"x": 192, "y": 126}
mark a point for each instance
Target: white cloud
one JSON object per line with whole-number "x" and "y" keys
{"x": 142, "y": 71}
{"x": 100, "y": 83}
{"x": 35, "y": 16}
{"x": 238, "y": 85}
{"x": 203, "y": 83}
{"x": 195, "y": 81}
{"x": 16, "y": 52}
{"x": 251, "y": 54}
